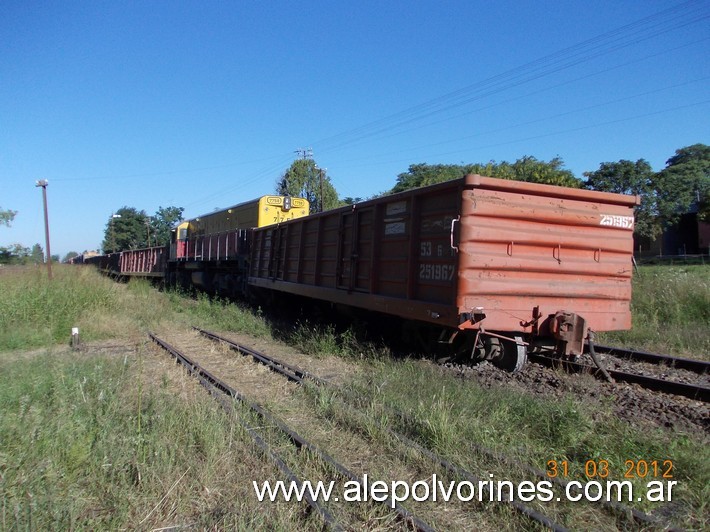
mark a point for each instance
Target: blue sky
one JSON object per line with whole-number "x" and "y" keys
{"x": 203, "y": 104}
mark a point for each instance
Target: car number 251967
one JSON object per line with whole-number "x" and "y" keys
{"x": 436, "y": 272}
{"x": 612, "y": 220}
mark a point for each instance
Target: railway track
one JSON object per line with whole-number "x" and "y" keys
{"x": 299, "y": 375}
{"x": 637, "y": 375}
{"x": 224, "y": 393}
{"x": 697, "y": 366}
{"x": 408, "y": 519}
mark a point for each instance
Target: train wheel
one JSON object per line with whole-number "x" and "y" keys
{"x": 508, "y": 355}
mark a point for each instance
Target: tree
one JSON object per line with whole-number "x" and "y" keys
{"x": 69, "y": 256}
{"x": 37, "y": 255}
{"x": 666, "y": 195}
{"x": 126, "y": 229}
{"x": 349, "y": 200}
{"x": 14, "y": 254}
{"x": 162, "y": 223}
{"x": 422, "y": 174}
{"x": 526, "y": 168}
{"x": 529, "y": 169}
{"x": 628, "y": 177}
{"x": 684, "y": 184}
{"x": 6, "y": 217}
{"x": 305, "y": 180}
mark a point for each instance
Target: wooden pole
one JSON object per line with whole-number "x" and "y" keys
{"x": 43, "y": 183}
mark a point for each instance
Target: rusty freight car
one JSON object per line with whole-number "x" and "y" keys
{"x": 492, "y": 267}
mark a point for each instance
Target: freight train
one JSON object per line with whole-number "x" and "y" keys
{"x": 490, "y": 268}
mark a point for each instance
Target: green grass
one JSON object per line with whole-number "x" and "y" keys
{"x": 86, "y": 443}
{"x": 670, "y": 311}
{"x": 219, "y": 314}
{"x": 456, "y": 418}
{"x": 35, "y": 312}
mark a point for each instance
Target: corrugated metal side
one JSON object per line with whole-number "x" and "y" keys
{"x": 146, "y": 262}
{"x": 524, "y": 245}
{"x": 392, "y": 254}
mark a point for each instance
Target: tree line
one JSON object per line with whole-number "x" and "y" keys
{"x": 17, "y": 253}
{"x": 682, "y": 186}
{"x": 129, "y": 228}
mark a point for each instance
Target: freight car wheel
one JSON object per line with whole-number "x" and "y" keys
{"x": 508, "y": 355}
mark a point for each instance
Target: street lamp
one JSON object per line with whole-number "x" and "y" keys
{"x": 43, "y": 183}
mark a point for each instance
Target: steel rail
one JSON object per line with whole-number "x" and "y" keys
{"x": 301, "y": 443}
{"x": 692, "y": 391}
{"x": 290, "y": 371}
{"x": 287, "y": 369}
{"x": 275, "y": 364}
{"x": 219, "y": 393}
{"x": 690, "y": 364}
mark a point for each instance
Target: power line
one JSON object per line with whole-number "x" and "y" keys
{"x": 614, "y": 40}
{"x": 550, "y": 134}
{"x": 549, "y": 117}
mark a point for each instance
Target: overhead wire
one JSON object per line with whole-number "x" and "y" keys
{"x": 649, "y": 27}
{"x": 571, "y": 56}
{"x": 498, "y": 103}
{"x": 553, "y": 133}
{"x": 548, "y": 117}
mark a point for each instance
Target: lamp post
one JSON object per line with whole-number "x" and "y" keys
{"x": 43, "y": 183}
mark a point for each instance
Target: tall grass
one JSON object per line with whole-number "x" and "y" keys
{"x": 82, "y": 445}
{"x": 88, "y": 444}
{"x": 670, "y": 311}
{"x": 219, "y": 314}
{"x": 457, "y": 417}
{"x": 36, "y": 312}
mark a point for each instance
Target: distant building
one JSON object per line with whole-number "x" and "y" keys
{"x": 690, "y": 236}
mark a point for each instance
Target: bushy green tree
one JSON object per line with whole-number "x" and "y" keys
{"x": 162, "y": 224}
{"x": 682, "y": 186}
{"x": 126, "y": 229}
{"x": 14, "y": 254}
{"x": 37, "y": 254}
{"x": 524, "y": 169}
{"x": 628, "y": 177}
{"x": 304, "y": 179}
{"x": 684, "y": 183}
{"x": 19, "y": 254}
{"x": 6, "y": 217}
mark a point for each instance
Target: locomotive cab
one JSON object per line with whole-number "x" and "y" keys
{"x": 178, "y": 241}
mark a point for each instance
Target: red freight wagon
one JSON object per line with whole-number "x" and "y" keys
{"x": 146, "y": 262}
{"x": 491, "y": 258}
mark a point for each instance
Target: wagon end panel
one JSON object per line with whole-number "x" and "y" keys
{"x": 525, "y": 245}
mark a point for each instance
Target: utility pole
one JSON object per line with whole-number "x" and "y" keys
{"x": 321, "y": 171}
{"x": 113, "y": 232}
{"x": 305, "y": 153}
{"x": 43, "y": 183}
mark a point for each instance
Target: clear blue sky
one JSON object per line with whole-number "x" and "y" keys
{"x": 202, "y": 104}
